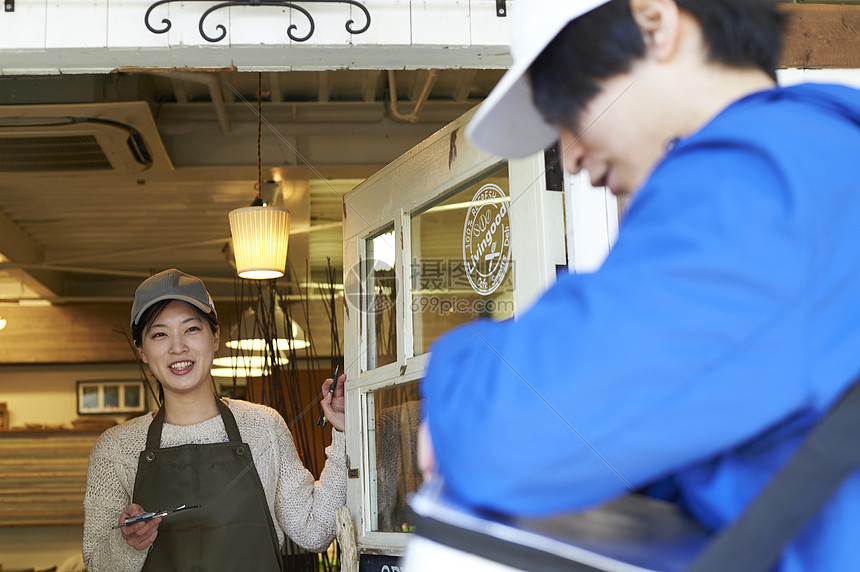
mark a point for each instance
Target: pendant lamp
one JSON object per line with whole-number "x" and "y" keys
{"x": 245, "y": 365}
{"x": 260, "y": 239}
{"x": 248, "y": 335}
{"x": 260, "y": 344}
{"x": 238, "y": 372}
{"x": 260, "y": 233}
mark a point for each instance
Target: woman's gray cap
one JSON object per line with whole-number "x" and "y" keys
{"x": 507, "y": 123}
{"x": 171, "y": 284}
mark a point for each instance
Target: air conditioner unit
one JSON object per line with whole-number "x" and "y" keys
{"x": 119, "y": 137}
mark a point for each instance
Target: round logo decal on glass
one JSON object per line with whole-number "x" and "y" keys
{"x": 487, "y": 239}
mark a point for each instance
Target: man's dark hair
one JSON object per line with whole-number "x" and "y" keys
{"x": 606, "y": 41}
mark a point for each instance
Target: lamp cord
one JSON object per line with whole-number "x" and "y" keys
{"x": 259, "y": 132}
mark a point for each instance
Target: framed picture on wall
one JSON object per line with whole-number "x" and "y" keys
{"x": 121, "y": 396}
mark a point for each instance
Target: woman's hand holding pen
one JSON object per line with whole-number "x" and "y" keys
{"x": 139, "y": 535}
{"x": 333, "y": 403}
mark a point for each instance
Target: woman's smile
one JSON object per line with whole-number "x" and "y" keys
{"x": 179, "y": 347}
{"x": 181, "y": 367}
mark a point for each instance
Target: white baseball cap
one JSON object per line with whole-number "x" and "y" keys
{"x": 507, "y": 123}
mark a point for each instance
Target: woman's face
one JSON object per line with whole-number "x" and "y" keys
{"x": 179, "y": 347}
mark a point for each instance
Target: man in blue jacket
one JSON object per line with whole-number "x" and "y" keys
{"x": 726, "y": 319}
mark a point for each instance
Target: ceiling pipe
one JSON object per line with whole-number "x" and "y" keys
{"x": 411, "y": 117}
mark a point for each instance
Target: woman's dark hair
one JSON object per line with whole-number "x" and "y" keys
{"x": 606, "y": 41}
{"x": 154, "y": 311}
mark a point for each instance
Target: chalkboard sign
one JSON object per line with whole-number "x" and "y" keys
{"x": 379, "y": 563}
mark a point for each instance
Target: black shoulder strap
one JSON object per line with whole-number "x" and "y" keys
{"x": 153, "y": 434}
{"x": 229, "y": 421}
{"x": 797, "y": 492}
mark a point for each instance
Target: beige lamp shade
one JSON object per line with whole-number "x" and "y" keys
{"x": 260, "y": 239}
{"x": 252, "y": 339}
{"x": 254, "y": 365}
{"x": 238, "y": 372}
{"x": 253, "y": 361}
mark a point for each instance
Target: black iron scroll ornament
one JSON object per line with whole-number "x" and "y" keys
{"x": 291, "y": 30}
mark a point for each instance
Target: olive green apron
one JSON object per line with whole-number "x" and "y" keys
{"x": 232, "y": 529}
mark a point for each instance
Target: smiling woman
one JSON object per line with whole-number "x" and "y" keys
{"x": 235, "y": 460}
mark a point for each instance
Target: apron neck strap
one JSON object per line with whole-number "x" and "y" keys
{"x": 153, "y": 435}
{"x": 229, "y": 422}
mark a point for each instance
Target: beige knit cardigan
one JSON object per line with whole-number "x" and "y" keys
{"x": 301, "y": 508}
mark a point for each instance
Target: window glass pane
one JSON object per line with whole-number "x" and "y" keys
{"x": 111, "y": 396}
{"x": 394, "y": 427}
{"x": 131, "y": 397}
{"x": 380, "y": 286}
{"x": 461, "y": 264}
{"x": 90, "y": 397}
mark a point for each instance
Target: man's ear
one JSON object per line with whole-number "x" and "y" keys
{"x": 217, "y": 337}
{"x": 658, "y": 22}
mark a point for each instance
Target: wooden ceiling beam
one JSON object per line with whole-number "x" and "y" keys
{"x": 275, "y": 89}
{"x": 371, "y": 83}
{"x": 821, "y": 36}
{"x": 323, "y": 87}
{"x": 17, "y": 246}
{"x": 465, "y": 79}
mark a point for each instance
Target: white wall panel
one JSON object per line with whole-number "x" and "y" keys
{"x": 390, "y": 23}
{"x": 126, "y": 28}
{"x": 592, "y": 223}
{"x": 76, "y": 24}
{"x": 251, "y": 26}
{"x": 444, "y": 22}
{"x": 185, "y": 19}
{"x": 486, "y": 27}
{"x": 99, "y": 36}
{"x": 793, "y": 76}
{"x": 330, "y": 20}
{"x": 537, "y": 230}
{"x": 25, "y": 27}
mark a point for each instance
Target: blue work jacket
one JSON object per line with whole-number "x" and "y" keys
{"x": 723, "y": 324}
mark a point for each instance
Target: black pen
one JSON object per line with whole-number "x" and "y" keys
{"x": 322, "y": 420}
{"x": 147, "y": 516}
